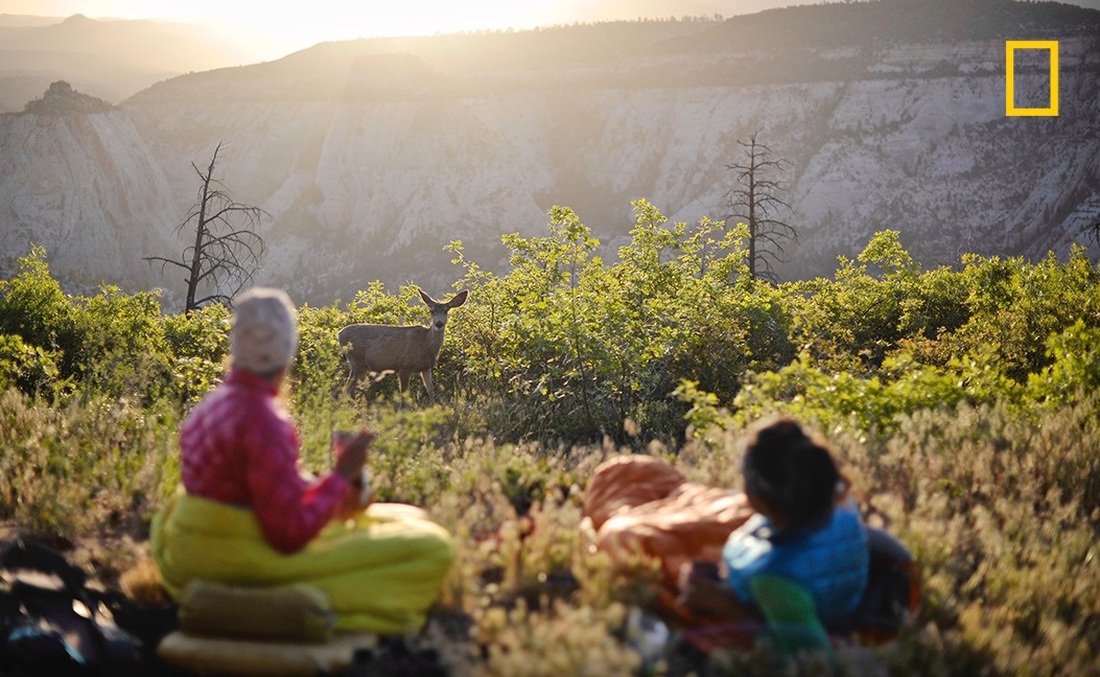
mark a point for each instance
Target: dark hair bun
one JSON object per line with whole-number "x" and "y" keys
{"x": 792, "y": 471}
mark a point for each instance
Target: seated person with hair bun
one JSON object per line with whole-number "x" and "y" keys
{"x": 801, "y": 561}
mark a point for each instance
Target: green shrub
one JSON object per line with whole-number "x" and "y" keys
{"x": 873, "y": 403}
{"x": 1016, "y": 305}
{"x": 572, "y": 346}
{"x": 198, "y": 346}
{"x": 27, "y": 367}
{"x": 122, "y": 350}
{"x": 1075, "y": 368}
{"x": 858, "y": 318}
{"x": 33, "y": 307}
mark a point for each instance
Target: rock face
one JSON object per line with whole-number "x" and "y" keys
{"x": 370, "y": 156}
{"x": 85, "y": 186}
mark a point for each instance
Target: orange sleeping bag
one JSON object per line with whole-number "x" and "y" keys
{"x": 640, "y": 505}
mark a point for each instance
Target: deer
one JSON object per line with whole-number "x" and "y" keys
{"x": 407, "y": 349}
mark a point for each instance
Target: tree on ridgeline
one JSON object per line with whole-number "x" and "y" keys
{"x": 753, "y": 199}
{"x": 227, "y": 249}
{"x": 62, "y": 99}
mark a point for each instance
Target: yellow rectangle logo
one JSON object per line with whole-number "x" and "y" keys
{"x": 1010, "y": 85}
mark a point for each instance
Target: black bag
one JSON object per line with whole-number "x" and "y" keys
{"x": 395, "y": 657}
{"x": 52, "y": 624}
{"x": 893, "y": 593}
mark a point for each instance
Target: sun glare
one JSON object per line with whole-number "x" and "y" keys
{"x": 304, "y": 24}
{"x": 272, "y": 30}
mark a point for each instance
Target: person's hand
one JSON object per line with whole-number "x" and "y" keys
{"x": 349, "y": 507}
{"x": 351, "y": 454}
{"x": 705, "y": 594}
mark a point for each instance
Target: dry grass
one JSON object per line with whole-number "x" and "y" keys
{"x": 1002, "y": 512}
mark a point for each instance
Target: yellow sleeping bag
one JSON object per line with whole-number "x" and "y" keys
{"x": 380, "y": 571}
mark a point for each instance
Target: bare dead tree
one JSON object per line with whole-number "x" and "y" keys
{"x": 227, "y": 249}
{"x": 754, "y": 200}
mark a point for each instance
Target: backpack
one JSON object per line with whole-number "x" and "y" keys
{"x": 52, "y": 624}
{"x": 893, "y": 593}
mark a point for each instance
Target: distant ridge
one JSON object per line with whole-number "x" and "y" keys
{"x": 852, "y": 24}
{"x": 116, "y": 59}
{"x": 24, "y": 20}
{"x": 109, "y": 59}
{"x": 460, "y": 64}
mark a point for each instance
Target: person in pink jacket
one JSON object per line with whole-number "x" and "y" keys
{"x": 247, "y": 516}
{"x": 239, "y": 446}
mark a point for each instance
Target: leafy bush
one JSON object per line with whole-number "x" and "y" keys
{"x": 1075, "y": 370}
{"x": 33, "y": 307}
{"x": 122, "y": 349}
{"x": 198, "y": 345}
{"x": 873, "y": 403}
{"x": 110, "y": 343}
{"x": 1016, "y": 306}
{"x": 577, "y": 347}
{"x": 857, "y": 318}
{"x": 29, "y": 368}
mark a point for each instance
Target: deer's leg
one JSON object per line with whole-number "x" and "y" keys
{"x": 356, "y": 374}
{"x": 426, "y": 377}
{"x": 403, "y": 380}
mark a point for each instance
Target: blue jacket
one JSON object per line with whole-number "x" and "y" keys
{"x": 830, "y": 562}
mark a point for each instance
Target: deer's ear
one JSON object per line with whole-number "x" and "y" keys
{"x": 427, "y": 299}
{"x": 458, "y": 299}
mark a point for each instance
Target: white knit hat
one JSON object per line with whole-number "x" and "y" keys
{"x": 264, "y": 334}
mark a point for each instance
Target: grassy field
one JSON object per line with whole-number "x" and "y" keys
{"x": 962, "y": 402}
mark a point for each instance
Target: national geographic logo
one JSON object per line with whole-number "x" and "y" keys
{"x": 1010, "y": 78}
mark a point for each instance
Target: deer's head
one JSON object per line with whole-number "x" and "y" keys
{"x": 440, "y": 310}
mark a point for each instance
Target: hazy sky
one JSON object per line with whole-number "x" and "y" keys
{"x": 270, "y": 28}
{"x": 296, "y": 25}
